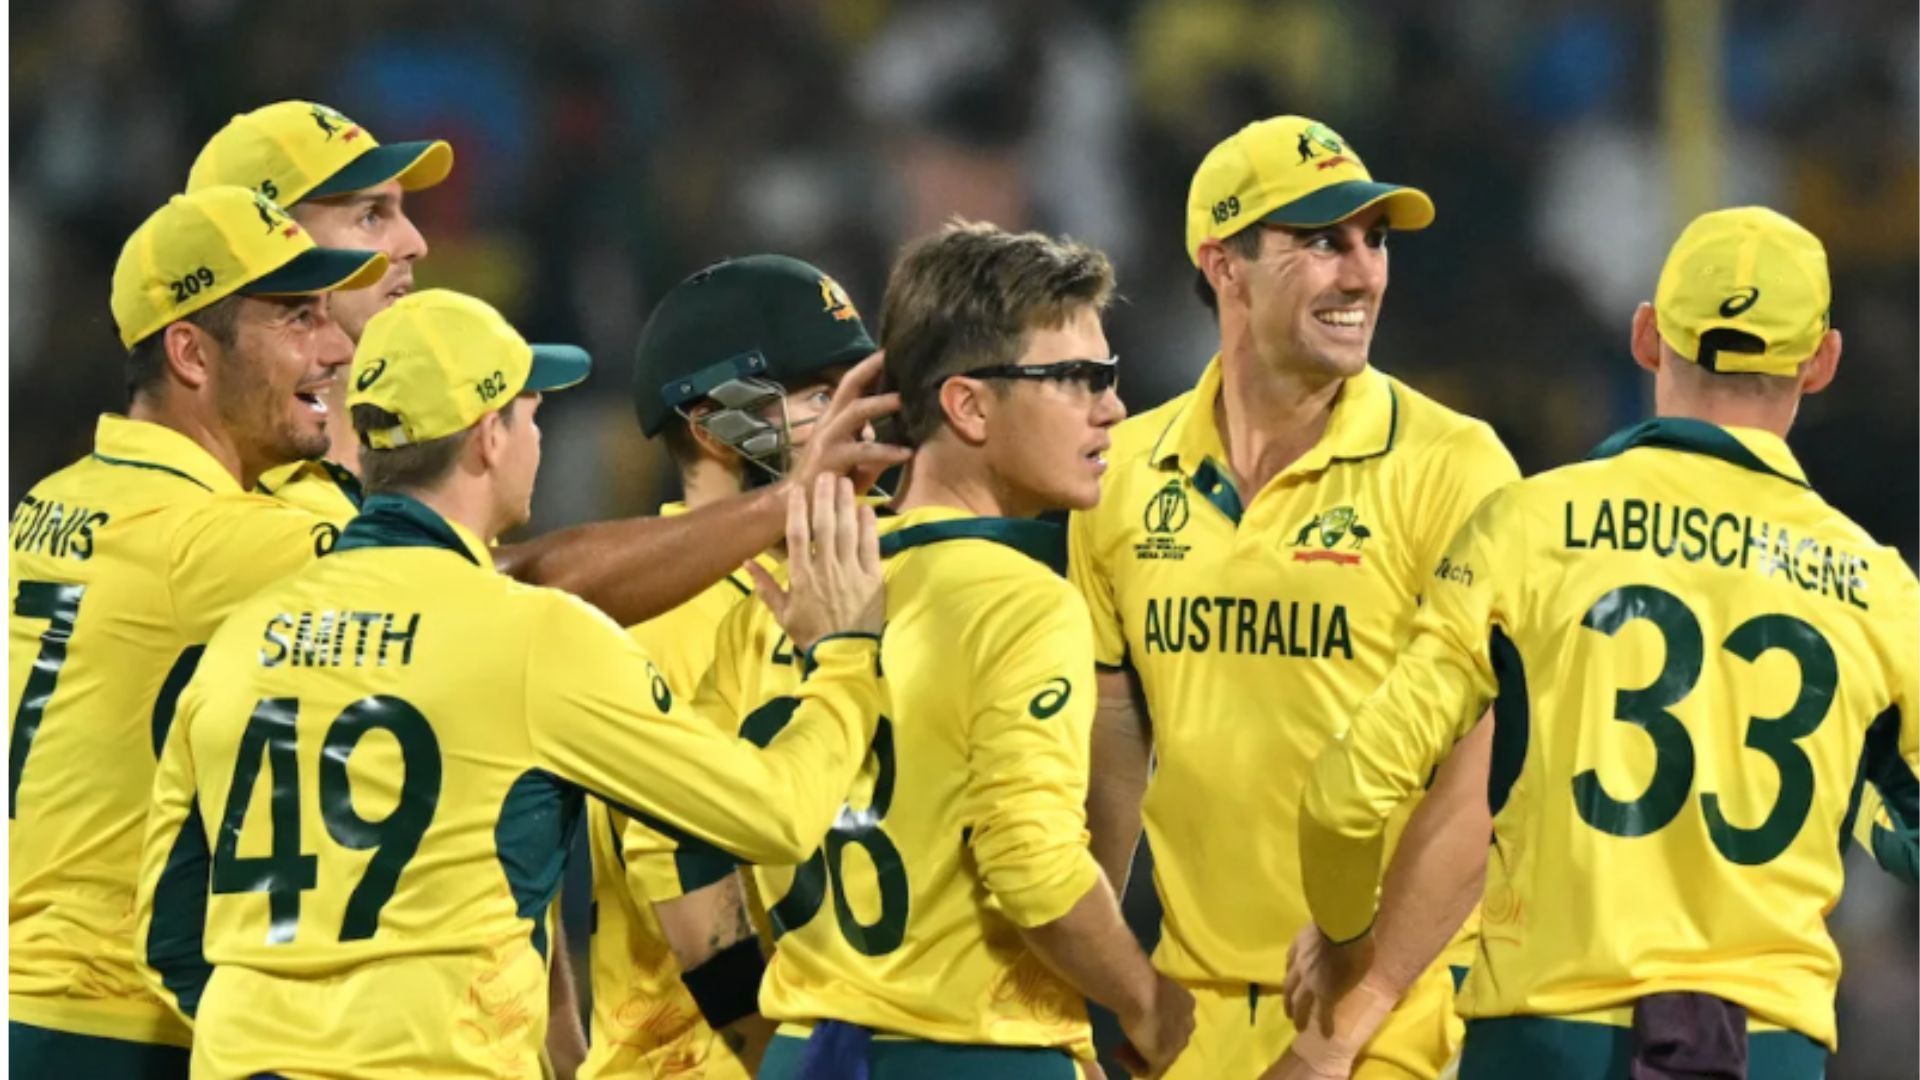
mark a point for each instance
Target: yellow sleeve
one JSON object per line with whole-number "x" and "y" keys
{"x": 1091, "y": 578}
{"x": 1440, "y": 685}
{"x": 597, "y": 720}
{"x": 1031, "y": 716}
{"x": 1463, "y": 468}
{"x": 170, "y": 903}
{"x": 233, "y": 547}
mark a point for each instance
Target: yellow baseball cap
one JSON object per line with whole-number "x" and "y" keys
{"x": 1749, "y": 270}
{"x": 441, "y": 360}
{"x": 201, "y": 248}
{"x": 1289, "y": 170}
{"x": 294, "y": 150}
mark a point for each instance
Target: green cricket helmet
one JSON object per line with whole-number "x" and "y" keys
{"x": 731, "y": 335}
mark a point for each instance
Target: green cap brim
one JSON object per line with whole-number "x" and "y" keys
{"x": 1407, "y": 208}
{"x": 417, "y": 164}
{"x": 556, "y": 367}
{"x": 319, "y": 270}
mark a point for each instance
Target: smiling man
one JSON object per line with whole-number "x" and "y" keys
{"x": 124, "y": 562}
{"x": 1255, "y": 560}
{"x": 348, "y": 190}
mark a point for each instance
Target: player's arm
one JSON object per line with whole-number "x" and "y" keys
{"x": 698, "y": 897}
{"x": 720, "y": 961}
{"x": 1122, "y": 732}
{"x": 170, "y": 902}
{"x": 593, "y": 719}
{"x": 1122, "y": 762}
{"x": 1026, "y": 793}
{"x": 636, "y": 569}
{"x": 566, "y": 1037}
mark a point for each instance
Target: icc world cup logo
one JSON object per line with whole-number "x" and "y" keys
{"x": 1167, "y": 509}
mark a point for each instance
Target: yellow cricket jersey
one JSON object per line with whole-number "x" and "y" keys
{"x": 362, "y": 812}
{"x": 1695, "y": 659}
{"x": 325, "y": 489}
{"x": 1256, "y": 625}
{"x": 645, "y": 1022}
{"x": 123, "y": 564}
{"x": 968, "y": 818}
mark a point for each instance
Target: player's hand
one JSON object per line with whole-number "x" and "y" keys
{"x": 1319, "y": 974}
{"x": 833, "y": 567}
{"x": 842, "y": 444}
{"x": 1157, "y": 1034}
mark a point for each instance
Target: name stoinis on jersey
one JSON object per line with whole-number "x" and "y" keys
{"x": 54, "y": 528}
{"x": 1727, "y": 539}
{"x": 339, "y": 639}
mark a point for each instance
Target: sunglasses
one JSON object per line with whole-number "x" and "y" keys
{"x": 1098, "y": 376}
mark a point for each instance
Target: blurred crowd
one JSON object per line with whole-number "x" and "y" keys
{"x": 608, "y": 148}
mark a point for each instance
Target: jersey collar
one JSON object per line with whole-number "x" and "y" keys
{"x": 321, "y": 470}
{"x": 1366, "y": 417}
{"x": 140, "y": 444}
{"x": 1043, "y": 541}
{"x": 1749, "y": 448}
{"x": 392, "y": 520}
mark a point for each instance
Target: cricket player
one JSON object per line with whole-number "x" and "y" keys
{"x": 123, "y": 563}
{"x": 363, "y": 810}
{"x": 346, "y": 186}
{"x": 734, "y": 368}
{"x": 1258, "y": 553}
{"x": 955, "y": 921}
{"x": 1693, "y": 660}
{"x": 347, "y": 190}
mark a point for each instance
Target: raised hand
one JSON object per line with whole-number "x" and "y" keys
{"x": 840, "y": 444}
{"x": 834, "y": 578}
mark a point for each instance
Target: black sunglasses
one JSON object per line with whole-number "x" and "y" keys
{"x": 1098, "y": 376}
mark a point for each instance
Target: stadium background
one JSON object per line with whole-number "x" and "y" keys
{"x": 607, "y": 148}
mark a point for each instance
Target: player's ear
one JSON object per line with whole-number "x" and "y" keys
{"x": 488, "y": 441}
{"x": 963, "y": 402}
{"x": 1646, "y": 338}
{"x": 191, "y": 353}
{"x": 709, "y": 446}
{"x": 1220, "y": 268}
{"x": 1818, "y": 370}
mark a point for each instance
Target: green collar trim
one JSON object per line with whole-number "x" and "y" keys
{"x": 1042, "y": 541}
{"x": 391, "y": 520}
{"x": 349, "y": 483}
{"x": 1687, "y": 436}
{"x": 1214, "y": 485}
{"x": 155, "y": 466}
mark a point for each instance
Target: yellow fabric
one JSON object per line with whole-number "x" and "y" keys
{"x": 1747, "y": 269}
{"x": 156, "y": 542}
{"x": 1671, "y": 776}
{"x": 1274, "y": 163}
{"x": 200, "y": 248}
{"x": 1255, "y": 643}
{"x": 310, "y": 486}
{"x": 968, "y": 819}
{"x": 501, "y": 705}
{"x": 645, "y": 1022}
{"x": 1237, "y": 1034}
{"x": 288, "y": 148}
